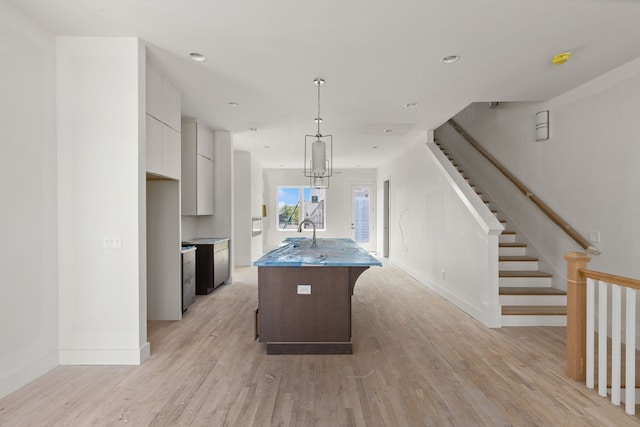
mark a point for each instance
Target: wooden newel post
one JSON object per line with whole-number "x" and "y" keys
{"x": 576, "y": 315}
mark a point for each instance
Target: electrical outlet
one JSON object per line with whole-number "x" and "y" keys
{"x": 112, "y": 242}
{"x": 594, "y": 236}
{"x": 304, "y": 289}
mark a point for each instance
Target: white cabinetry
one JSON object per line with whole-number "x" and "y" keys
{"x": 197, "y": 169}
{"x": 163, "y": 126}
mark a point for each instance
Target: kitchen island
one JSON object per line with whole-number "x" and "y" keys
{"x": 304, "y": 295}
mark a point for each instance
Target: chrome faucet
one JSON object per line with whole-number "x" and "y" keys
{"x": 308, "y": 221}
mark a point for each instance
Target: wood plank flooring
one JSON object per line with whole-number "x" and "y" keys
{"x": 418, "y": 361}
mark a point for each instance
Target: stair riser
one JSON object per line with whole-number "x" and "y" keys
{"x": 534, "y": 282}
{"x": 533, "y": 300}
{"x": 518, "y": 265}
{"x": 512, "y": 251}
{"x": 507, "y": 238}
{"x": 532, "y": 320}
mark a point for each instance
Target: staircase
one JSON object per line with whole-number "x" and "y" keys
{"x": 527, "y": 295}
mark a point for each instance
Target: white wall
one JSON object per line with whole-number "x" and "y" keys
{"x": 247, "y": 190}
{"x": 101, "y": 192}
{"x": 164, "y": 280}
{"x": 338, "y": 202}
{"x": 242, "y": 208}
{"x": 256, "y": 206}
{"x": 28, "y": 255}
{"x": 440, "y": 232}
{"x": 588, "y": 171}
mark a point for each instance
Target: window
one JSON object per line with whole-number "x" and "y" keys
{"x": 298, "y": 203}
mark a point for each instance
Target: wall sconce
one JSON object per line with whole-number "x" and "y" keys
{"x": 542, "y": 125}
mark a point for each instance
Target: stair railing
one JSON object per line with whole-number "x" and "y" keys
{"x": 577, "y": 237}
{"x": 583, "y": 309}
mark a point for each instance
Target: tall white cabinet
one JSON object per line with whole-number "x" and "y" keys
{"x": 163, "y": 167}
{"x": 197, "y": 169}
{"x": 163, "y": 126}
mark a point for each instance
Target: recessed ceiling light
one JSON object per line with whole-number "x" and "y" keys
{"x": 233, "y": 104}
{"x": 198, "y": 57}
{"x": 374, "y": 147}
{"x": 411, "y": 105}
{"x": 266, "y": 146}
{"x": 450, "y": 59}
{"x": 253, "y": 129}
{"x": 388, "y": 130}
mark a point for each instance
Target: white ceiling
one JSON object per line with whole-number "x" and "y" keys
{"x": 376, "y": 56}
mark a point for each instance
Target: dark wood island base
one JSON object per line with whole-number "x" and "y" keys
{"x": 306, "y": 310}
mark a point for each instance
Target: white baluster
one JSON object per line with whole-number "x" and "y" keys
{"x": 616, "y": 311}
{"x": 591, "y": 315}
{"x": 630, "y": 363}
{"x": 602, "y": 339}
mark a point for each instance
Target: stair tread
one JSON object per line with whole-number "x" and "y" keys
{"x": 507, "y": 231}
{"x": 512, "y": 245}
{"x": 543, "y": 310}
{"x": 526, "y": 290}
{"x": 524, "y": 273}
{"x": 517, "y": 258}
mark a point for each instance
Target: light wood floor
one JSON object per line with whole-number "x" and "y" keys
{"x": 418, "y": 361}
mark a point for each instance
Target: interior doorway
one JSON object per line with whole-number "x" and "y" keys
{"x": 385, "y": 220}
{"x": 363, "y": 216}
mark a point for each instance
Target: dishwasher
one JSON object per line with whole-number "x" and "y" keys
{"x": 188, "y": 276}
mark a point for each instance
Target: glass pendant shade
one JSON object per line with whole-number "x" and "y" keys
{"x": 319, "y": 157}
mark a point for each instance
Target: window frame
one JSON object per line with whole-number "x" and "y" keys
{"x": 301, "y": 207}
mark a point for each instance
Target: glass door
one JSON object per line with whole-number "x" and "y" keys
{"x": 362, "y": 216}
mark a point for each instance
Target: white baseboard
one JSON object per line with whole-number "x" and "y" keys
{"x": 100, "y": 356}
{"x": 24, "y": 375}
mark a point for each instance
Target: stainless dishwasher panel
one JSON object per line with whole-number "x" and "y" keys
{"x": 220, "y": 262}
{"x": 188, "y": 279}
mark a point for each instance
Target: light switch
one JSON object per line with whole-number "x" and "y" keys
{"x": 112, "y": 242}
{"x": 304, "y": 289}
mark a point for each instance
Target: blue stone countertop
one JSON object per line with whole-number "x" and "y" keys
{"x": 298, "y": 252}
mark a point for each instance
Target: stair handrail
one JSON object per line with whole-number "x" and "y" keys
{"x": 553, "y": 216}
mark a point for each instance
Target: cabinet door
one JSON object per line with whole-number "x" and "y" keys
{"x": 154, "y": 93}
{"x": 170, "y": 105}
{"x": 154, "y": 145}
{"x": 204, "y": 142}
{"x": 204, "y": 183}
{"x": 170, "y": 153}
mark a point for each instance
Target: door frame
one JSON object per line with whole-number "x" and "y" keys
{"x": 385, "y": 216}
{"x": 371, "y": 246}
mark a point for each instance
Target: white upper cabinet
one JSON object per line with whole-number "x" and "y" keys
{"x": 154, "y": 93}
{"x": 171, "y": 152}
{"x": 170, "y": 105}
{"x": 197, "y": 169}
{"x": 163, "y": 126}
{"x": 154, "y": 145}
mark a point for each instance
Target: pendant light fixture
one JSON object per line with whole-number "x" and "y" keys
{"x": 318, "y": 167}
